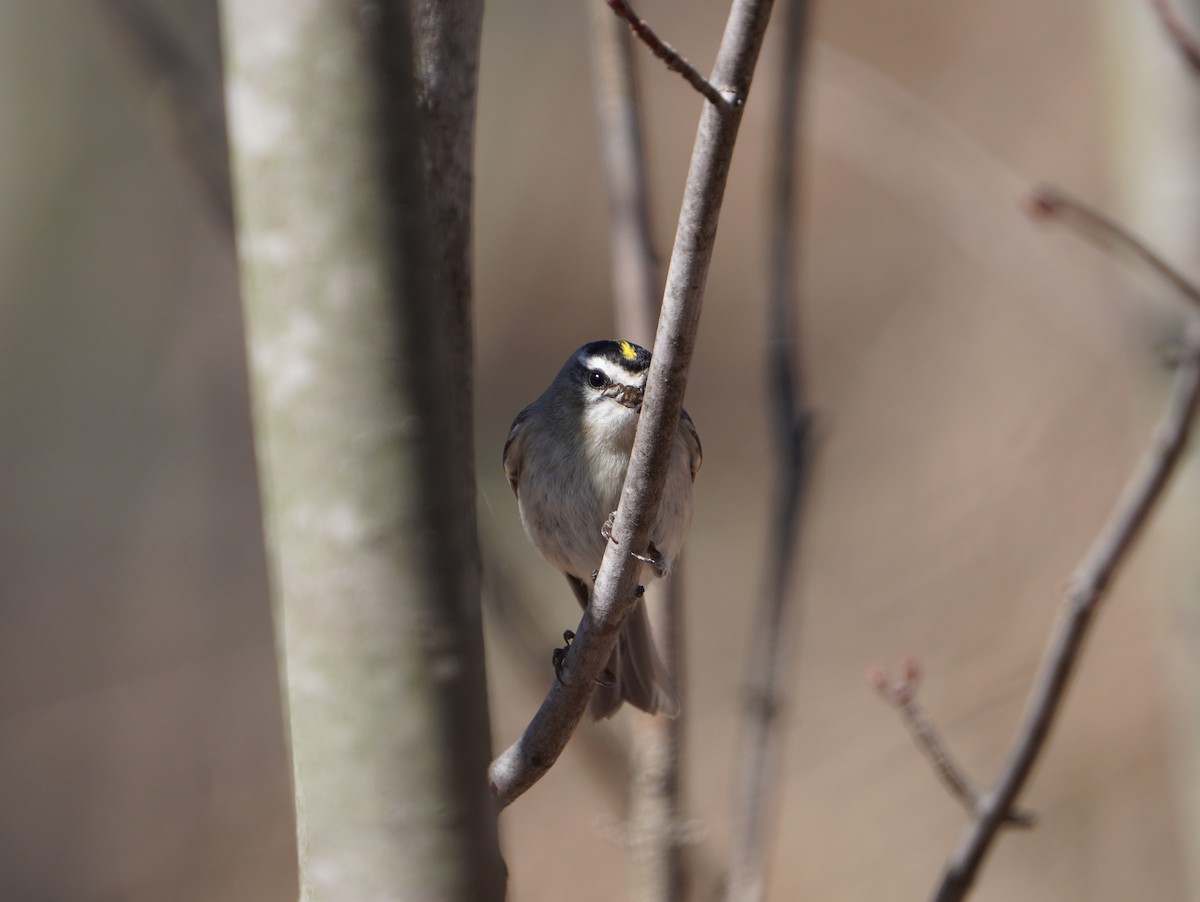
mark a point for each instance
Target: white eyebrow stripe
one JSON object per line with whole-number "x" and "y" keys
{"x": 614, "y": 371}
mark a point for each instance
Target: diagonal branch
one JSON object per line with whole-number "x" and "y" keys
{"x": 1089, "y": 586}
{"x": 523, "y": 763}
{"x": 672, "y": 57}
{"x": 1178, "y": 31}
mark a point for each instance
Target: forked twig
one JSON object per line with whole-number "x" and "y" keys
{"x": 901, "y": 694}
{"x": 672, "y": 57}
{"x": 1091, "y": 581}
{"x": 1178, "y": 31}
{"x": 1050, "y": 201}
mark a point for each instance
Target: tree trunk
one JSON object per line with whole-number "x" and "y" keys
{"x": 361, "y": 383}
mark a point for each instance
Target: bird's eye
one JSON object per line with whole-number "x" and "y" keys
{"x": 597, "y": 379}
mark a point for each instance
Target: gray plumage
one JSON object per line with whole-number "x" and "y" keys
{"x": 565, "y": 458}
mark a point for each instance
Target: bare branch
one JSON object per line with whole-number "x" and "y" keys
{"x": 901, "y": 694}
{"x": 1178, "y": 32}
{"x": 1047, "y": 200}
{"x": 636, "y": 270}
{"x": 761, "y": 736}
{"x": 1089, "y": 585}
{"x": 658, "y": 832}
{"x": 523, "y": 763}
{"x": 672, "y": 57}
{"x": 515, "y": 620}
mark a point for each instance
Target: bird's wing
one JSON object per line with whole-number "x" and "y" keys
{"x": 514, "y": 449}
{"x": 692, "y": 437}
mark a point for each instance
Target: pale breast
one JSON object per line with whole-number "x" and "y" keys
{"x": 564, "y": 509}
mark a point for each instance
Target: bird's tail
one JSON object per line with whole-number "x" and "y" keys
{"x": 641, "y": 676}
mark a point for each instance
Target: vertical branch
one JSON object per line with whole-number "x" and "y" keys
{"x": 656, "y": 817}
{"x": 360, "y": 454}
{"x": 446, "y": 45}
{"x": 636, "y": 275}
{"x": 655, "y": 808}
{"x": 761, "y": 736}
{"x": 446, "y": 42}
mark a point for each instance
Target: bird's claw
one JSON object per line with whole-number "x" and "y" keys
{"x": 607, "y": 679}
{"x": 607, "y": 527}
{"x": 559, "y": 655}
{"x": 654, "y": 558}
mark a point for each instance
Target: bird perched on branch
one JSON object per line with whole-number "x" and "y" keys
{"x": 565, "y": 458}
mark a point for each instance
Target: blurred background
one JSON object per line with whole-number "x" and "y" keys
{"x": 983, "y": 384}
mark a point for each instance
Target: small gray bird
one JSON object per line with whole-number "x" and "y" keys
{"x": 565, "y": 458}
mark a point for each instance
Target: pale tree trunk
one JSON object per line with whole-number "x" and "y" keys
{"x": 361, "y": 384}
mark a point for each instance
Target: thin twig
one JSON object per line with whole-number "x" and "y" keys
{"x": 1178, "y": 31}
{"x": 1089, "y": 586}
{"x": 523, "y": 763}
{"x": 1047, "y": 200}
{"x": 1090, "y": 583}
{"x": 659, "y": 835}
{"x": 901, "y": 694}
{"x": 768, "y": 662}
{"x": 672, "y": 57}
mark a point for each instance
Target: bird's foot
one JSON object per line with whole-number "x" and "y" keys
{"x": 607, "y": 679}
{"x": 560, "y": 654}
{"x": 654, "y": 558}
{"x": 607, "y": 527}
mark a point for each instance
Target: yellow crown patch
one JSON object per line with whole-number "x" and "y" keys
{"x": 627, "y": 350}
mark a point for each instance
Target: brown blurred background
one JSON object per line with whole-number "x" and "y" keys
{"x": 982, "y": 384}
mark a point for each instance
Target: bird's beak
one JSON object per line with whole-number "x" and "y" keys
{"x": 628, "y": 395}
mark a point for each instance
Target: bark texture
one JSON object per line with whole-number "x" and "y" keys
{"x": 361, "y": 395}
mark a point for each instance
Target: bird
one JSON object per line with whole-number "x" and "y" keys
{"x": 565, "y": 458}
